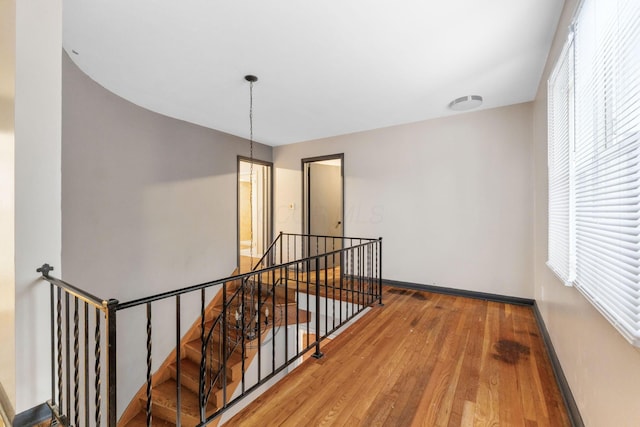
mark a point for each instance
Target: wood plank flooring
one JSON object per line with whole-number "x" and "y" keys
{"x": 422, "y": 359}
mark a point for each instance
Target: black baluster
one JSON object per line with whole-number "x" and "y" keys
{"x": 380, "y": 270}
{"x": 149, "y": 361}
{"x": 333, "y": 281}
{"x": 342, "y": 297}
{"x": 286, "y": 314}
{"x": 97, "y": 369}
{"x": 352, "y": 280}
{"x": 273, "y": 324}
{"x": 371, "y": 273}
{"x": 297, "y": 298}
{"x": 308, "y": 290}
{"x": 318, "y": 354}
{"x": 111, "y": 328}
{"x": 367, "y": 270}
{"x": 326, "y": 290}
{"x": 67, "y": 356}
{"x": 59, "y": 334}
{"x": 86, "y": 365}
{"x": 361, "y": 276}
{"x": 324, "y": 250}
{"x": 243, "y": 331}
{"x": 258, "y": 328}
{"x": 295, "y": 248}
{"x": 76, "y": 363}
{"x": 53, "y": 346}
{"x": 203, "y": 352}
{"x": 224, "y": 342}
{"x": 374, "y": 271}
{"x": 178, "y": 363}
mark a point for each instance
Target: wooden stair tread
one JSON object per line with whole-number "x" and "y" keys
{"x": 195, "y": 347}
{"x": 189, "y": 374}
{"x": 234, "y": 362}
{"x": 163, "y": 399}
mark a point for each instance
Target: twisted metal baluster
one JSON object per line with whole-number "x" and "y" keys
{"x": 53, "y": 347}
{"x": 67, "y": 357}
{"x": 76, "y": 364}
{"x": 149, "y": 361}
{"x": 59, "y": 334}
{"x": 87, "y": 402}
{"x": 97, "y": 368}
{"x": 203, "y": 353}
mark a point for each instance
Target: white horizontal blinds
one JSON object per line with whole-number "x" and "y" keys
{"x": 560, "y": 231}
{"x": 607, "y": 159}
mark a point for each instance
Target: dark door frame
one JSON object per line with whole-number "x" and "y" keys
{"x": 306, "y": 215}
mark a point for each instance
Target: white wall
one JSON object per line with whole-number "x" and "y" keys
{"x": 603, "y": 370}
{"x": 37, "y": 189}
{"x": 7, "y": 198}
{"x": 451, "y": 197}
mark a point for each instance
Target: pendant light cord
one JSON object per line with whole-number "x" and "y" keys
{"x": 251, "y": 165}
{"x": 251, "y": 80}
{"x": 251, "y": 122}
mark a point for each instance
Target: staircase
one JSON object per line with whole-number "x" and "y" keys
{"x": 259, "y": 314}
{"x": 165, "y": 380}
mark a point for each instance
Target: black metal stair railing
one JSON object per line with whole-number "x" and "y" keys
{"x": 99, "y": 316}
{"x": 301, "y": 292}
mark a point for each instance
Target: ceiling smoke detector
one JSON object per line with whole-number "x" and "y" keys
{"x": 466, "y": 103}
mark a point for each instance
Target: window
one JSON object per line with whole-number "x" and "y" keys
{"x": 560, "y": 93}
{"x": 594, "y": 161}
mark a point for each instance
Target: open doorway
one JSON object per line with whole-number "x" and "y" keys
{"x": 254, "y": 211}
{"x": 323, "y": 200}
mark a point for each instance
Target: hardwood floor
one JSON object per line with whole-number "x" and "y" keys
{"x": 423, "y": 359}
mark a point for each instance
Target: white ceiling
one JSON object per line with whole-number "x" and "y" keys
{"x": 324, "y": 68}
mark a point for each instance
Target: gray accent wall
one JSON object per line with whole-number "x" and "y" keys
{"x": 148, "y": 205}
{"x": 148, "y": 202}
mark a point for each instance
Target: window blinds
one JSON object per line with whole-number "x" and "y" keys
{"x": 559, "y": 164}
{"x": 602, "y": 225}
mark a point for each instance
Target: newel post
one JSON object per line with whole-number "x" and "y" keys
{"x": 380, "y": 269}
{"x": 111, "y": 307}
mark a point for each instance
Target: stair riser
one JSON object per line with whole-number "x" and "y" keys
{"x": 192, "y": 384}
{"x": 169, "y": 414}
{"x": 233, "y": 372}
